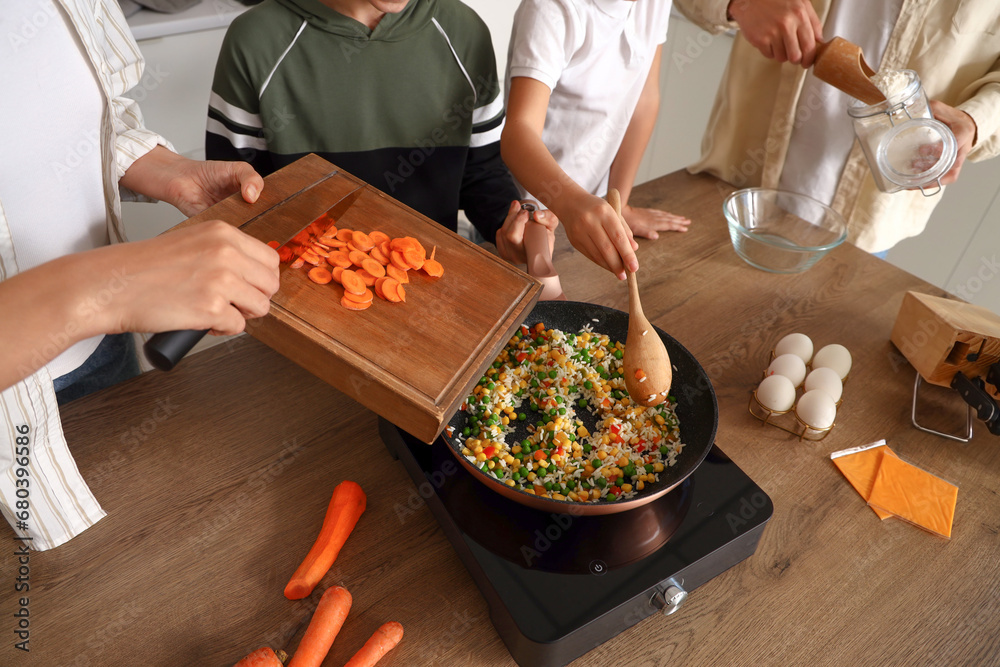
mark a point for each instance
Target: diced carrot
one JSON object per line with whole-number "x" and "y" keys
{"x": 380, "y": 643}
{"x": 319, "y": 275}
{"x": 362, "y": 241}
{"x": 367, "y": 277}
{"x": 339, "y": 258}
{"x": 352, "y": 282}
{"x": 329, "y": 617}
{"x": 354, "y": 305}
{"x": 399, "y": 274}
{"x": 262, "y": 657}
{"x": 273, "y": 244}
{"x": 357, "y": 257}
{"x": 360, "y": 298}
{"x": 373, "y": 267}
{"x": 345, "y": 234}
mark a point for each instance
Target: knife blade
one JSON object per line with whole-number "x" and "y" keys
{"x": 164, "y": 350}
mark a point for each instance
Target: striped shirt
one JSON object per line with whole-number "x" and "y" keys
{"x": 412, "y": 107}
{"x": 42, "y": 493}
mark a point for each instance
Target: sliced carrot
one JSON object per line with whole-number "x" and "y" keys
{"x": 397, "y": 259}
{"x": 273, "y": 244}
{"x": 352, "y": 282}
{"x": 262, "y": 657}
{"x": 329, "y": 239}
{"x": 353, "y": 248}
{"x": 311, "y": 257}
{"x": 378, "y": 256}
{"x": 373, "y": 267}
{"x": 354, "y": 305}
{"x": 389, "y": 290}
{"x": 337, "y": 270}
{"x": 345, "y": 234}
{"x": 297, "y": 263}
{"x": 357, "y": 257}
{"x": 433, "y": 268}
{"x": 367, "y": 277}
{"x": 380, "y": 643}
{"x": 362, "y": 241}
{"x": 302, "y": 237}
{"x": 403, "y": 242}
{"x": 384, "y": 248}
{"x": 319, "y": 275}
{"x": 433, "y": 251}
{"x": 360, "y": 298}
{"x": 378, "y": 287}
{"x": 318, "y": 226}
{"x": 400, "y": 292}
{"x": 325, "y": 624}
{"x": 319, "y": 250}
{"x": 339, "y": 258}
{"x": 414, "y": 258}
{"x": 285, "y": 254}
{"x": 399, "y": 274}
{"x": 337, "y": 243}
{"x": 378, "y": 237}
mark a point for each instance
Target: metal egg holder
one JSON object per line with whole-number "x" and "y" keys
{"x": 802, "y": 429}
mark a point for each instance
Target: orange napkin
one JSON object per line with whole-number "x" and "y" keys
{"x": 914, "y": 495}
{"x": 860, "y": 465}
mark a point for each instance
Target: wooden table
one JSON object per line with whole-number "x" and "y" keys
{"x": 216, "y": 477}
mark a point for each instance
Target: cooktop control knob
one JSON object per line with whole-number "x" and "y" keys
{"x": 670, "y": 600}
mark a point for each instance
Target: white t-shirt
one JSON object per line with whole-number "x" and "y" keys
{"x": 54, "y": 158}
{"x": 822, "y": 127}
{"x": 594, "y": 56}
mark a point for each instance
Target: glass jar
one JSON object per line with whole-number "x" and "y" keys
{"x": 905, "y": 147}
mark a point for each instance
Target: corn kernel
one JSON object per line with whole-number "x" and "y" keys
{"x": 550, "y": 391}
{"x": 657, "y": 467}
{"x": 558, "y": 496}
{"x": 582, "y": 432}
{"x": 622, "y": 461}
{"x": 640, "y": 486}
{"x": 509, "y": 459}
{"x": 480, "y": 457}
{"x": 602, "y": 455}
{"x": 572, "y": 495}
{"x": 491, "y": 464}
{"x": 505, "y": 420}
{"x": 516, "y": 449}
{"x": 595, "y": 494}
{"x": 660, "y": 420}
{"x": 532, "y": 477}
{"x": 599, "y": 354}
{"x": 626, "y": 488}
{"x": 543, "y": 464}
{"x": 509, "y": 482}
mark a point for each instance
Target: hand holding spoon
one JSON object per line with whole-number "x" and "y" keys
{"x": 648, "y": 373}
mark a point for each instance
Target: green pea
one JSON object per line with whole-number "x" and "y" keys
{"x": 559, "y": 399}
{"x": 648, "y": 467}
{"x": 521, "y": 416}
{"x": 587, "y": 448}
{"x": 549, "y": 486}
{"x": 466, "y": 431}
{"x": 596, "y": 463}
{"x": 664, "y": 450}
{"x": 611, "y": 496}
{"x": 618, "y": 354}
{"x": 553, "y": 374}
{"x": 562, "y": 411}
{"x": 588, "y": 384}
{"x": 601, "y": 482}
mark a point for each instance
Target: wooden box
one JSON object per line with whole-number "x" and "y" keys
{"x": 414, "y": 362}
{"x": 942, "y": 336}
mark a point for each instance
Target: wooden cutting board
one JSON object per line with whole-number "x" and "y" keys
{"x": 414, "y": 362}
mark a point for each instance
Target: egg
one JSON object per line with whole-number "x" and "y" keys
{"x": 825, "y": 379}
{"x": 789, "y": 365}
{"x": 836, "y": 357}
{"x": 816, "y": 409}
{"x": 776, "y": 393}
{"x": 798, "y": 344}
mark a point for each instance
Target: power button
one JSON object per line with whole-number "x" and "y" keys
{"x": 598, "y": 567}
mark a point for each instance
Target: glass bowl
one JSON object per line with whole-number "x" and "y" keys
{"x": 779, "y": 231}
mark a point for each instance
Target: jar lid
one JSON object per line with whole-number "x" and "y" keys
{"x": 917, "y": 152}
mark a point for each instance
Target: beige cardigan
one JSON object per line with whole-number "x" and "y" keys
{"x": 953, "y": 46}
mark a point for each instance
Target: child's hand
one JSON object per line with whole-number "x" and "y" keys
{"x": 510, "y": 237}
{"x": 648, "y": 222}
{"x": 595, "y": 230}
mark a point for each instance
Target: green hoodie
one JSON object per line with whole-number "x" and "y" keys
{"x": 412, "y": 107}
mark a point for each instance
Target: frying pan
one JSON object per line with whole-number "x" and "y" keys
{"x": 697, "y": 411}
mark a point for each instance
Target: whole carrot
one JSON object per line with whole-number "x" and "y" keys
{"x": 262, "y": 657}
{"x": 380, "y": 643}
{"x": 346, "y": 507}
{"x": 329, "y": 617}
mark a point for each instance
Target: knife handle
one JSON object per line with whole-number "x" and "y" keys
{"x": 164, "y": 350}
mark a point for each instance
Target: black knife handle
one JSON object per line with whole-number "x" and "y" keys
{"x": 164, "y": 350}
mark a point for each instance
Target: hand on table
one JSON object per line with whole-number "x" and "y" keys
{"x": 594, "y": 229}
{"x": 648, "y": 222}
{"x": 191, "y": 185}
{"x": 510, "y": 237}
{"x": 785, "y": 30}
{"x": 208, "y": 276}
{"x": 963, "y": 127}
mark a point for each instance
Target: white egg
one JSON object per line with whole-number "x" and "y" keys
{"x": 776, "y": 393}
{"x": 825, "y": 379}
{"x": 789, "y": 365}
{"x": 795, "y": 343}
{"x": 836, "y": 357}
{"x": 816, "y": 409}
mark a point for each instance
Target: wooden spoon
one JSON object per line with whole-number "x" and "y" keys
{"x": 646, "y": 364}
{"x": 842, "y": 65}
